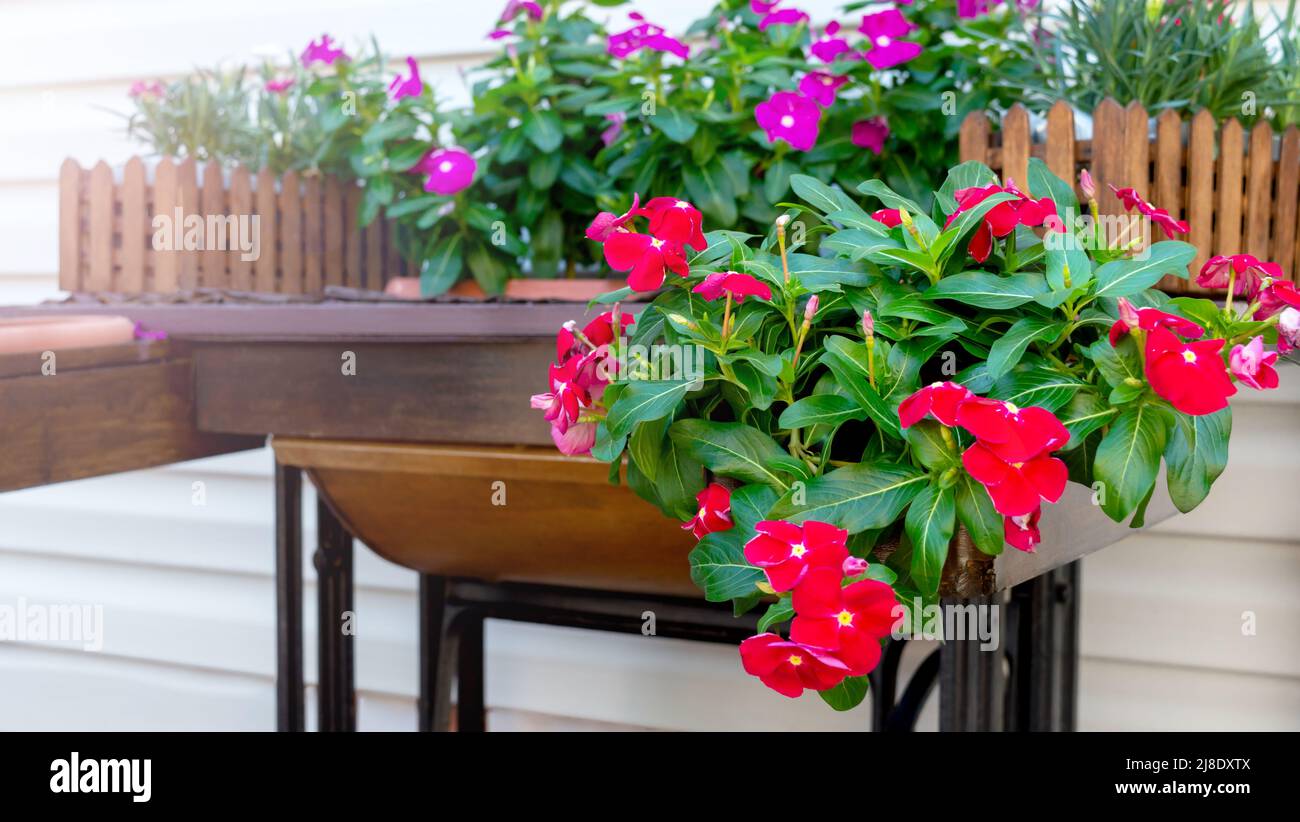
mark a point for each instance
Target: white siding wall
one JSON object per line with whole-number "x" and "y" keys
{"x": 187, "y": 590}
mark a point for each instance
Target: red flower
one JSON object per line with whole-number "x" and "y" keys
{"x": 1252, "y": 366}
{"x": 569, "y": 395}
{"x": 940, "y": 399}
{"x": 600, "y": 331}
{"x": 645, "y": 257}
{"x": 1246, "y": 271}
{"x": 675, "y": 221}
{"x": 1149, "y": 318}
{"x": 1191, "y": 376}
{"x": 850, "y": 621}
{"x": 606, "y": 223}
{"x": 787, "y": 551}
{"x": 739, "y": 286}
{"x": 714, "y": 513}
{"x": 788, "y": 667}
{"x": 1022, "y": 532}
{"x": 1016, "y": 487}
{"x": 888, "y": 217}
{"x": 1131, "y": 200}
{"x": 1010, "y": 433}
{"x": 1003, "y": 218}
{"x": 1275, "y": 296}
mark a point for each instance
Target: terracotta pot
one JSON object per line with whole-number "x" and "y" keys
{"x": 27, "y": 334}
{"x": 519, "y": 290}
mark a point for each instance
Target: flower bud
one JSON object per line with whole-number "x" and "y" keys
{"x": 1086, "y": 185}
{"x": 868, "y": 325}
{"x": 854, "y": 566}
{"x": 810, "y": 309}
{"x": 905, "y": 218}
{"x": 1127, "y": 313}
{"x": 1288, "y": 330}
{"x": 782, "y": 221}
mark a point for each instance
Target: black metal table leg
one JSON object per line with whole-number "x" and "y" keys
{"x": 972, "y": 680}
{"x": 336, "y": 706}
{"x": 1045, "y": 651}
{"x": 289, "y": 709}
{"x": 471, "y": 710}
{"x": 435, "y": 674}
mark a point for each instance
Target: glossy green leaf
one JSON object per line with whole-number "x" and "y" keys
{"x": 855, "y": 497}
{"x": 976, "y": 513}
{"x": 985, "y": 290}
{"x": 732, "y": 449}
{"x": 1128, "y": 458}
{"x": 719, "y": 568}
{"x": 1121, "y": 278}
{"x": 1196, "y": 455}
{"x": 644, "y": 400}
{"x": 930, "y": 522}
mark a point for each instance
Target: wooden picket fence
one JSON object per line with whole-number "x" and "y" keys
{"x": 1237, "y": 190}
{"x": 308, "y": 232}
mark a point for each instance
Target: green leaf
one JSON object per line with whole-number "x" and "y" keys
{"x": 1086, "y": 413}
{"x": 645, "y": 444}
{"x": 710, "y": 188}
{"x": 1120, "y": 278}
{"x": 970, "y": 174}
{"x": 543, "y": 169}
{"x": 985, "y": 290}
{"x": 1128, "y": 458}
{"x": 1036, "y": 384}
{"x": 819, "y": 195}
{"x": 719, "y": 568}
{"x": 644, "y": 400}
{"x": 750, "y": 504}
{"x": 544, "y": 129}
{"x": 1043, "y": 183}
{"x": 1006, "y": 352}
{"x": 847, "y": 361}
{"x": 855, "y": 497}
{"x": 976, "y": 512}
{"x": 929, "y": 525}
{"x": 776, "y": 182}
{"x": 442, "y": 268}
{"x": 675, "y": 124}
{"x": 678, "y": 479}
{"x": 846, "y": 695}
{"x": 778, "y": 612}
{"x": 488, "y": 269}
{"x": 889, "y": 198}
{"x": 731, "y": 449}
{"x": 929, "y": 446}
{"x": 820, "y": 409}
{"x": 1196, "y": 454}
{"x": 1118, "y": 364}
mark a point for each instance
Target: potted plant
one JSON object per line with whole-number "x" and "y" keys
{"x": 929, "y": 372}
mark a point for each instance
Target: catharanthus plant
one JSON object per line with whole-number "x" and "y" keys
{"x": 928, "y": 372}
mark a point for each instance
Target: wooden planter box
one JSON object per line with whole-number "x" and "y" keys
{"x": 308, "y": 229}
{"x": 1238, "y": 191}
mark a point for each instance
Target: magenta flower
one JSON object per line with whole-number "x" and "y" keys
{"x": 820, "y": 87}
{"x": 606, "y": 223}
{"x": 141, "y": 88}
{"x": 1288, "y": 330}
{"x": 762, "y": 6}
{"x": 831, "y": 45}
{"x": 782, "y": 17}
{"x": 791, "y": 117}
{"x": 407, "y": 86}
{"x": 883, "y": 30}
{"x": 576, "y": 440}
{"x": 870, "y": 134}
{"x": 610, "y": 134}
{"x": 279, "y": 86}
{"x": 739, "y": 286}
{"x": 322, "y": 51}
{"x": 450, "y": 170}
{"x": 644, "y": 36}
{"x": 514, "y": 7}
{"x": 1252, "y": 366}
{"x": 967, "y": 9}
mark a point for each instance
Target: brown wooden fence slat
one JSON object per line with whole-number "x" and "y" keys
{"x": 70, "y": 234}
{"x": 375, "y": 254}
{"x": 1200, "y": 188}
{"x": 1259, "y": 191}
{"x": 1228, "y": 190}
{"x": 332, "y": 214}
{"x": 291, "y": 270}
{"x": 187, "y": 197}
{"x": 1284, "y": 206}
{"x": 1137, "y": 149}
{"x": 166, "y": 260}
{"x": 101, "y": 228}
{"x": 212, "y": 262}
{"x": 1108, "y": 167}
{"x": 313, "y": 240}
{"x": 973, "y": 139}
{"x": 1016, "y": 146}
{"x": 1059, "y": 150}
{"x": 353, "y": 273}
{"x": 137, "y": 232}
{"x": 241, "y": 208}
{"x": 1167, "y": 182}
{"x": 268, "y": 212}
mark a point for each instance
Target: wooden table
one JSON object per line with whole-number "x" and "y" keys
{"x": 434, "y": 391}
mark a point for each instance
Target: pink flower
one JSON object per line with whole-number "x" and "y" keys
{"x": 1288, "y": 330}
{"x": 1149, "y": 318}
{"x": 820, "y": 87}
{"x": 939, "y": 399}
{"x": 645, "y": 258}
{"x": 322, "y": 51}
{"x": 848, "y": 621}
{"x": 870, "y": 134}
{"x": 831, "y": 45}
{"x": 407, "y": 86}
{"x": 791, "y": 117}
{"x": 279, "y": 86}
{"x": 967, "y": 9}
{"x": 1246, "y": 272}
{"x": 644, "y": 36}
{"x": 142, "y": 88}
{"x": 1022, "y": 532}
{"x": 1086, "y": 185}
{"x": 676, "y": 221}
{"x": 1252, "y": 366}
{"x": 883, "y": 30}
{"x": 786, "y": 552}
{"x": 450, "y": 170}
{"x": 714, "y": 513}
{"x": 853, "y": 566}
{"x": 739, "y": 286}
{"x": 1275, "y": 296}
{"x": 782, "y": 17}
{"x": 514, "y": 7}
{"x": 576, "y": 441}
{"x": 606, "y": 223}
{"x": 610, "y": 134}
{"x": 1131, "y": 200}
{"x": 788, "y": 667}
{"x": 762, "y": 6}
{"x": 888, "y": 217}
